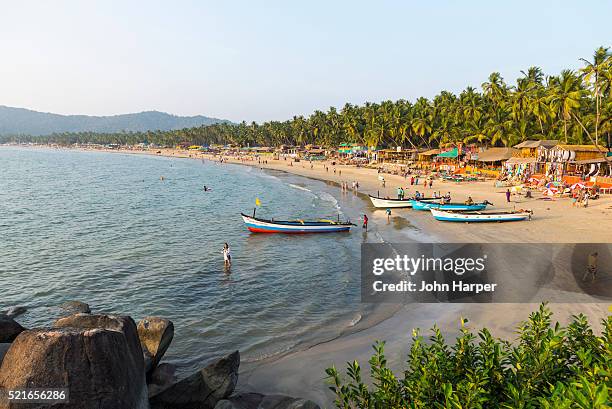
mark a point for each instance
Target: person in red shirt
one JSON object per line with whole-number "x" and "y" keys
{"x": 365, "y": 222}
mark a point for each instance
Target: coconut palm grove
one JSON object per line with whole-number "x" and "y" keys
{"x": 574, "y": 107}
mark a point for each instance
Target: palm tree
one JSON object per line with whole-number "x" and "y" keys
{"x": 566, "y": 97}
{"x": 593, "y": 72}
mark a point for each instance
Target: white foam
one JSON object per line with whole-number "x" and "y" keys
{"x": 329, "y": 198}
{"x": 300, "y": 187}
{"x": 355, "y": 320}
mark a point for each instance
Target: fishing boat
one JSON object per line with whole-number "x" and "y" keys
{"x": 468, "y": 217}
{"x": 383, "y": 203}
{"x": 419, "y": 205}
{"x": 257, "y": 225}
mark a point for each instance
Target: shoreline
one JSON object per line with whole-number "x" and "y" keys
{"x": 301, "y": 371}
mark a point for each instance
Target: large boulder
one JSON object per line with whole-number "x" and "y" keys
{"x": 98, "y": 365}
{"x": 161, "y": 377}
{"x": 203, "y": 389}
{"x": 155, "y": 336}
{"x": 9, "y": 328}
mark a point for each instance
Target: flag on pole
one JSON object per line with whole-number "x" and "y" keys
{"x": 257, "y": 202}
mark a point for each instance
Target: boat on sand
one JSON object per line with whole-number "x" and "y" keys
{"x": 386, "y": 203}
{"x": 476, "y": 216}
{"x": 258, "y": 225}
{"x": 419, "y": 205}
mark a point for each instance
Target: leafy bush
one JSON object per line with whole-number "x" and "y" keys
{"x": 547, "y": 367}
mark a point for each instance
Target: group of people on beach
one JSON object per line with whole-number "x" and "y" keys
{"x": 345, "y": 186}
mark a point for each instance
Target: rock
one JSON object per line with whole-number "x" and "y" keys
{"x": 74, "y": 307}
{"x": 16, "y": 311}
{"x": 242, "y": 401}
{"x": 97, "y": 365}
{"x": 4, "y": 346}
{"x": 286, "y": 402}
{"x": 203, "y": 389}
{"x": 162, "y": 377}
{"x": 155, "y": 336}
{"x": 9, "y": 328}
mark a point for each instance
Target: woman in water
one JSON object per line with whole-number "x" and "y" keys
{"x": 227, "y": 256}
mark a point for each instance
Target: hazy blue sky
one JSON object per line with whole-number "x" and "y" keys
{"x": 262, "y": 60}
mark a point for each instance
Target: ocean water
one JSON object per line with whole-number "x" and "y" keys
{"x": 104, "y": 228}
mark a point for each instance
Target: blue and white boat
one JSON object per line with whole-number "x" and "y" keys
{"x": 418, "y": 205}
{"x": 257, "y": 225}
{"x": 480, "y": 217}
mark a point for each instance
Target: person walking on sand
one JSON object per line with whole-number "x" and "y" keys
{"x": 430, "y": 183}
{"x": 227, "y": 256}
{"x": 508, "y": 195}
{"x": 365, "y": 222}
{"x": 388, "y": 211}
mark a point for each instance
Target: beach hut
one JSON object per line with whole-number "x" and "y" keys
{"x": 576, "y": 163}
{"x": 398, "y": 155}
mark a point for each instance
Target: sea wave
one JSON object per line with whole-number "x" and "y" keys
{"x": 329, "y": 198}
{"x": 300, "y": 187}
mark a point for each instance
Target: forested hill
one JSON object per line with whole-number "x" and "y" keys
{"x": 27, "y": 122}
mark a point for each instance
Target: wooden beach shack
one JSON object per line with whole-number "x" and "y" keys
{"x": 491, "y": 160}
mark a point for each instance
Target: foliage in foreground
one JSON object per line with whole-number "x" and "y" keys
{"x": 548, "y": 367}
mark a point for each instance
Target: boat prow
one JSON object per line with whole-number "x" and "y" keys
{"x": 257, "y": 225}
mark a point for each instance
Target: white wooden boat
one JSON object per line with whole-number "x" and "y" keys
{"x": 383, "y": 203}
{"x": 480, "y": 217}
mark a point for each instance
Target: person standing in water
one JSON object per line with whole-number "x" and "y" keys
{"x": 227, "y": 256}
{"x": 365, "y": 222}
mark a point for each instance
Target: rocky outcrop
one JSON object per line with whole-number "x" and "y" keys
{"x": 259, "y": 401}
{"x": 101, "y": 359}
{"x": 98, "y": 365}
{"x": 155, "y": 336}
{"x": 203, "y": 389}
{"x": 9, "y": 328}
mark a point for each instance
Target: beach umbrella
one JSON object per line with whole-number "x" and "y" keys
{"x": 533, "y": 180}
{"x": 550, "y": 192}
{"x": 578, "y": 185}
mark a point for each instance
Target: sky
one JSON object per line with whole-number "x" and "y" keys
{"x": 269, "y": 60}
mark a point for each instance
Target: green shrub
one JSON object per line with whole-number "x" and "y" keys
{"x": 547, "y": 367}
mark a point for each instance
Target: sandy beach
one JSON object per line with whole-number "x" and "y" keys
{"x": 302, "y": 372}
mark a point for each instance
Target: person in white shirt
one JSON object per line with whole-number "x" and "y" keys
{"x": 227, "y": 256}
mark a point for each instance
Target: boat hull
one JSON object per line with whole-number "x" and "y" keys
{"x": 418, "y": 205}
{"x": 381, "y": 203}
{"x": 267, "y": 226}
{"x": 479, "y": 217}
